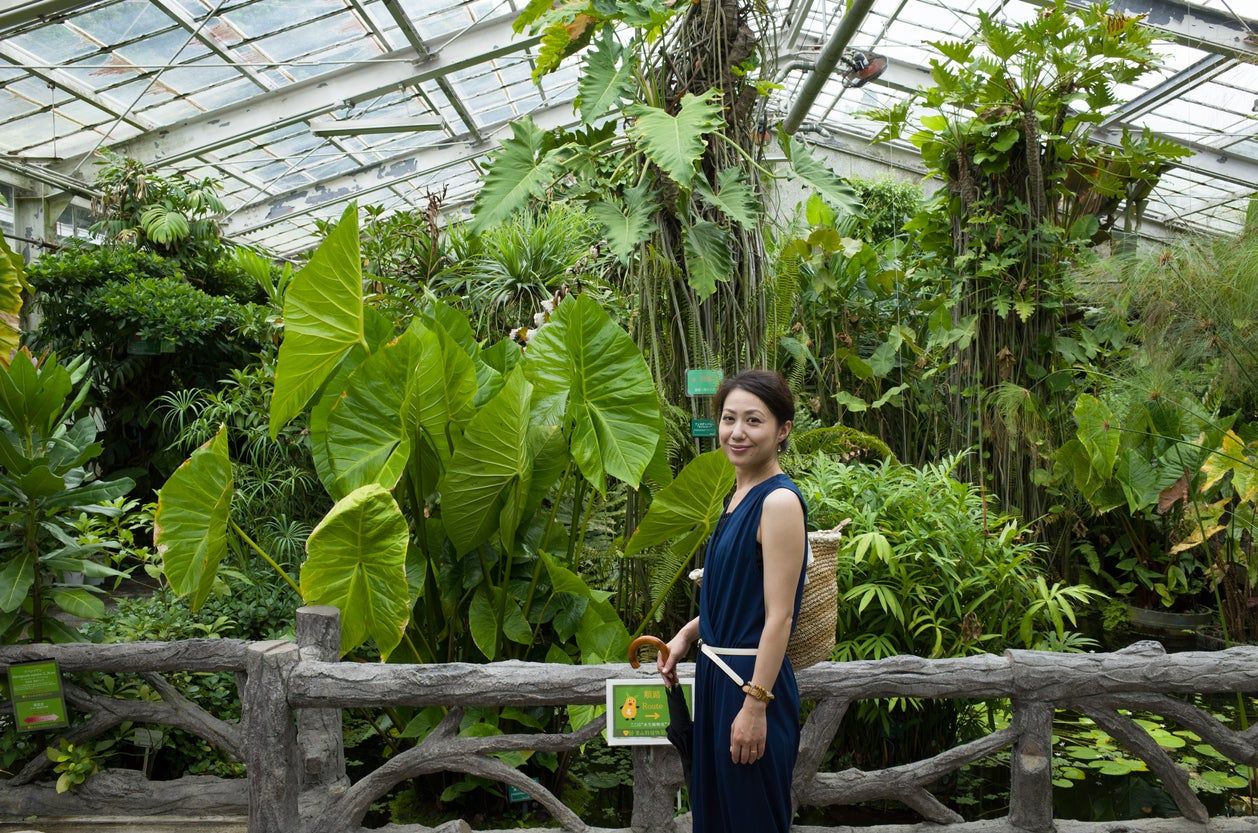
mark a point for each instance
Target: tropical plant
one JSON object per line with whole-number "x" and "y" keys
{"x": 76, "y": 762}
{"x": 929, "y": 566}
{"x": 442, "y": 457}
{"x": 168, "y": 214}
{"x": 147, "y": 330}
{"x": 45, "y": 482}
{"x": 1024, "y": 194}
{"x": 12, "y": 284}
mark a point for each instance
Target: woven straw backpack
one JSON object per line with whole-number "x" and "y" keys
{"x": 814, "y": 635}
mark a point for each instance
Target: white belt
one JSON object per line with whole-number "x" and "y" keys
{"x": 713, "y": 654}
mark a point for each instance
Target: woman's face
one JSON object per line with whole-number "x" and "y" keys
{"x": 749, "y": 432}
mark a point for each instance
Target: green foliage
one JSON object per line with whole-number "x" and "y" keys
{"x": 323, "y": 320}
{"x": 191, "y": 522}
{"x": 148, "y": 331}
{"x": 675, "y": 142}
{"x": 45, "y": 483}
{"x": 607, "y": 77}
{"x": 12, "y": 282}
{"x": 76, "y": 762}
{"x": 447, "y": 545}
{"x": 356, "y": 562}
{"x": 627, "y": 222}
{"x": 171, "y": 215}
{"x": 708, "y": 259}
{"x": 682, "y": 515}
{"x": 928, "y": 567}
{"x": 523, "y": 167}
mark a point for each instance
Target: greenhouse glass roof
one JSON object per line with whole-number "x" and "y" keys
{"x": 294, "y": 105}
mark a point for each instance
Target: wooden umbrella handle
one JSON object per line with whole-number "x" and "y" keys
{"x": 645, "y": 642}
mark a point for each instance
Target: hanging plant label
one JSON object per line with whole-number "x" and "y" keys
{"x": 702, "y": 382}
{"x": 38, "y": 702}
{"x": 703, "y": 427}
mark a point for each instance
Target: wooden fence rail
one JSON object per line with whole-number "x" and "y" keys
{"x": 290, "y": 738}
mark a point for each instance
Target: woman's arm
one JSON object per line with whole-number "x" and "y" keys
{"x": 678, "y": 647}
{"x": 782, "y": 546}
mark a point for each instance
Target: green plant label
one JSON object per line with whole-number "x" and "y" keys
{"x": 38, "y": 702}
{"x": 702, "y": 382}
{"x": 515, "y": 795}
{"x": 638, "y": 712}
{"x": 703, "y": 427}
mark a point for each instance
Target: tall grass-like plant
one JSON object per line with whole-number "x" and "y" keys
{"x": 1194, "y": 305}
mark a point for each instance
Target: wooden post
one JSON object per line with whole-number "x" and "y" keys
{"x": 271, "y": 753}
{"x": 1031, "y": 779}
{"x": 656, "y": 778}
{"x": 319, "y": 732}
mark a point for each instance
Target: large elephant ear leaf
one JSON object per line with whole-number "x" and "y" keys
{"x": 486, "y": 486}
{"x": 366, "y": 439}
{"x": 323, "y": 319}
{"x": 356, "y": 561}
{"x": 802, "y": 165}
{"x": 685, "y": 512}
{"x": 11, "y": 285}
{"x": 190, "y": 527}
{"x": 675, "y": 143}
{"x": 524, "y": 166}
{"x": 581, "y": 361}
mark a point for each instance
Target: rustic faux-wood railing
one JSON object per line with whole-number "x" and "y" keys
{"x": 290, "y": 734}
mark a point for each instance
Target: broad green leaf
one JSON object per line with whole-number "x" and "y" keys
{"x": 803, "y": 166}
{"x": 163, "y": 225}
{"x": 85, "y": 497}
{"x": 627, "y": 221}
{"x": 319, "y": 412}
{"x": 531, "y": 13}
{"x": 675, "y": 143}
{"x": 366, "y": 441}
{"x": 708, "y": 258}
{"x": 853, "y": 403}
{"x": 587, "y": 368}
{"x": 323, "y": 319}
{"x": 483, "y": 620}
{"x": 78, "y": 602}
{"x": 32, "y": 398}
{"x": 1098, "y": 433}
{"x": 190, "y": 527}
{"x": 11, "y": 285}
{"x": 486, "y": 485}
{"x": 356, "y": 561}
{"x": 439, "y": 401}
{"x": 734, "y": 197}
{"x": 687, "y": 510}
{"x": 605, "y": 77}
{"x": 16, "y": 579}
{"x": 522, "y": 167}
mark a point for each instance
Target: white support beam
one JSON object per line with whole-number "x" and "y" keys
{"x": 23, "y": 59}
{"x": 1211, "y": 66}
{"x": 178, "y": 15}
{"x": 15, "y": 13}
{"x": 1189, "y": 24}
{"x": 319, "y": 95}
{"x": 385, "y": 174}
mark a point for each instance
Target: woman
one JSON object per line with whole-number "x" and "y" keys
{"x": 746, "y": 701}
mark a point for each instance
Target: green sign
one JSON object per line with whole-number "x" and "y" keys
{"x": 637, "y": 712}
{"x": 515, "y": 795}
{"x": 703, "y": 428}
{"x": 37, "y": 699}
{"x": 700, "y": 382}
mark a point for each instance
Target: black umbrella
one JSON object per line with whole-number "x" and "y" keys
{"x": 681, "y": 728}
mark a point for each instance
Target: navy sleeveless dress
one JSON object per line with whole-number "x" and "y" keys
{"x": 726, "y": 797}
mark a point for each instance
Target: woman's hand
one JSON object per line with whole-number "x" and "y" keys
{"x": 748, "y": 733}
{"x": 678, "y": 647}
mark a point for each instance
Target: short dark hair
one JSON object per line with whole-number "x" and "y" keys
{"x": 769, "y": 385}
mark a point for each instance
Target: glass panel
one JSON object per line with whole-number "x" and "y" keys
{"x": 119, "y": 22}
